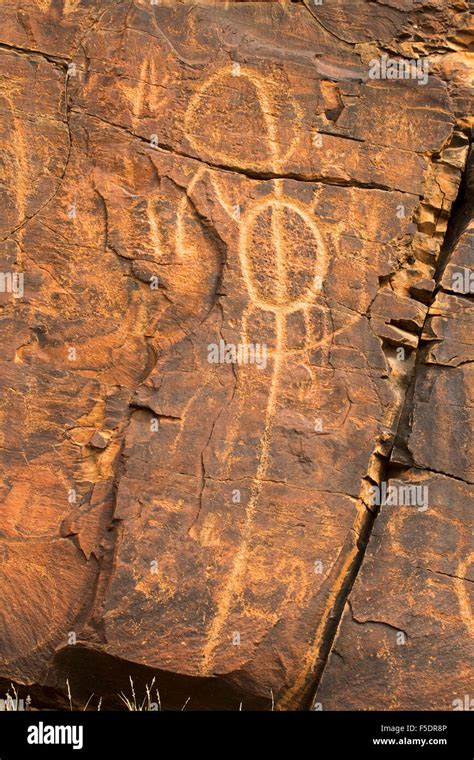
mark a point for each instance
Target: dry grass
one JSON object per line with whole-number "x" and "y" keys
{"x": 147, "y": 704}
{"x": 87, "y": 703}
{"x": 13, "y": 703}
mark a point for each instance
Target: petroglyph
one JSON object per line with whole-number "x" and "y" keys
{"x": 283, "y": 262}
{"x": 235, "y": 98}
{"x": 236, "y": 180}
{"x": 17, "y": 154}
{"x": 145, "y": 93}
{"x": 463, "y": 590}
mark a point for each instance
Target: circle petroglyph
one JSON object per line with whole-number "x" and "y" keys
{"x": 283, "y": 263}
{"x": 282, "y": 254}
{"x": 244, "y": 108}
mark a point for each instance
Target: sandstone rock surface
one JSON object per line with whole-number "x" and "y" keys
{"x": 178, "y": 178}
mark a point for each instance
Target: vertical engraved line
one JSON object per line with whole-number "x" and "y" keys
{"x": 237, "y": 403}
{"x": 140, "y": 90}
{"x": 180, "y": 249}
{"x": 463, "y": 597}
{"x": 240, "y": 560}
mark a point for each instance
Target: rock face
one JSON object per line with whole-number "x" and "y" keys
{"x": 411, "y": 647}
{"x": 236, "y": 279}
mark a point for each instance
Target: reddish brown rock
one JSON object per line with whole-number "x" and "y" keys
{"x": 405, "y": 640}
{"x": 411, "y": 647}
{"x": 181, "y": 178}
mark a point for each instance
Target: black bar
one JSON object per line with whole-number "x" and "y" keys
{"x": 129, "y": 735}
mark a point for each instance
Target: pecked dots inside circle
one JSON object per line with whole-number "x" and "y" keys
{"x": 261, "y": 256}
{"x": 296, "y": 330}
{"x": 303, "y": 251}
{"x": 283, "y": 255}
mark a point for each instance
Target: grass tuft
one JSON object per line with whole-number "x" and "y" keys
{"x": 13, "y": 703}
{"x": 147, "y": 705}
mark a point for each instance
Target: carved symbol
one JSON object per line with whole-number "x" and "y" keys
{"x": 146, "y": 81}
{"x": 283, "y": 272}
{"x": 465, "y": 605}
{"x": 257, "y": 90}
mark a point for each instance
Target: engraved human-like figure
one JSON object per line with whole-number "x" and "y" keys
{"x": 242, "y": 261}
{"x": 283, "y": 276}
{"x": 283, "y": 262}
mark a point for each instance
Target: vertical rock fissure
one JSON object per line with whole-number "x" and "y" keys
{"x": 457, "y": 222}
